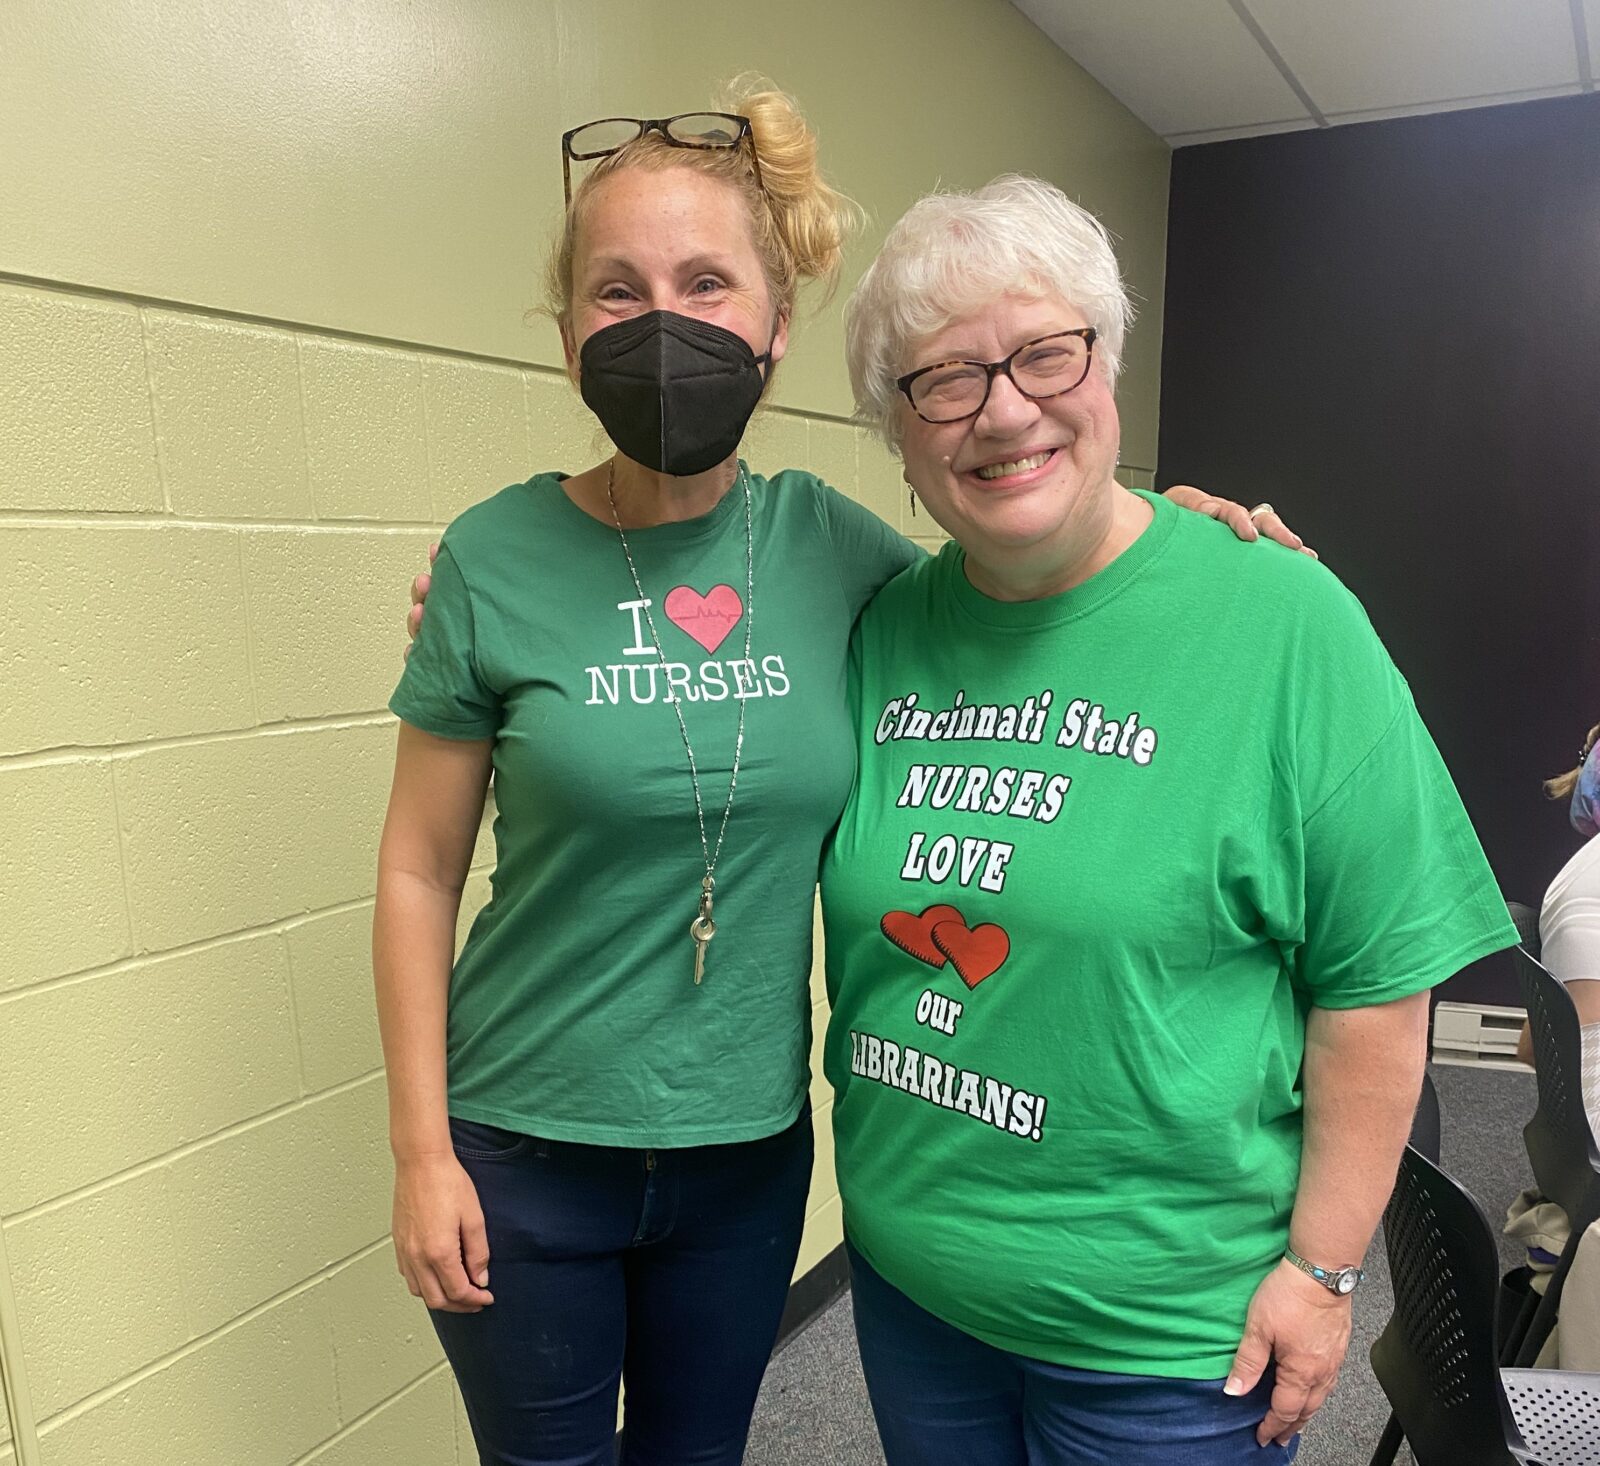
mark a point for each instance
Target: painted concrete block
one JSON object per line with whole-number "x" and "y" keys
{"x": 366, "y": 444}
{"x": 821, "y": 1090}
{"x": 100, "y": 1289}
{"x": 110, "y": 635}
{"x": 477, "y": 431}
{"x": 883, "y": 488}
{"x": 258, "y": 1395}
{"x": 563, "y": 434}
{"x": 416, "y": 1428}
{"x": 122, "y": 1067}
{"x": 327, "y": 617}
{"x": 229, "y": 426}
{"x": 239, "y": 832}
{"x": 775, "y": 441}
{"x": 832, "y": 449}
{"x": 824, "y": 1231}
{"x": 259, "y": 1211}
{"x": 330, "y": 960}
{"x": 382, "y": 1338}
{"x": 61, "y": 899}
{"x": 824, "y": 1185}
{"x": 466, "y": 1449}
{"x": 74, "y": 405}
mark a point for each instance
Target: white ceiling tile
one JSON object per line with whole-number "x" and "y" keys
{"x": 1178, "y": 65}
{"x": 1233, "y": 134}
{"x": 1366, "y": 55}
{"x": 1591, "y": 15}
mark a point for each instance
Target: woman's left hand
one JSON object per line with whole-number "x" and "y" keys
{"x": 1298, "y": 1323}
{"x": 1237, "y": 517}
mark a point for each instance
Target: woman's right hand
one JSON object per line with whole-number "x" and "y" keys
{"x": 419, "y": 593}
{"x": 439, "y": 1238}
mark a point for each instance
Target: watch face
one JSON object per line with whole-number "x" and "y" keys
{"x": 1345, "y": 1282}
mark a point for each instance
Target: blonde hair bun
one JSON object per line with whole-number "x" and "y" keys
{"x": 813, "y": 219}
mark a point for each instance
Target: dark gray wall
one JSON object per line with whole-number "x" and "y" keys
{"x": 1392, "y": 331}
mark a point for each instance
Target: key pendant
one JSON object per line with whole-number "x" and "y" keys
{"x": 702, "y": 929}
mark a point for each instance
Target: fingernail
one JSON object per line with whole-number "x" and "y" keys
{"x": 1234, "y": 1386}
{"x": 483, "y": 1278}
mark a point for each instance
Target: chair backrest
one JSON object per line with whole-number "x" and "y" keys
{"x": 1436, "y": 1357}
{"x": 1561, "y": 1144}
{"x": 1425, "y": 1123}
{"x": 1526, "y": 920}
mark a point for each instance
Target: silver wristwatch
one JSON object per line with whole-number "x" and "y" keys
{"x": 1340, "y": 1280}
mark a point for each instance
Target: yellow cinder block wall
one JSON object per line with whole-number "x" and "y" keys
{"x": 263, "y": 273}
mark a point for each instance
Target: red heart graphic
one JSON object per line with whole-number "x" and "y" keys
{"x": 976, "y": 953}
{"x": 707, "y": 618}
{"x": 914, "y": 934}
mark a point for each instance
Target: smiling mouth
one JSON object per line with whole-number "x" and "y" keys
{"x": 1013, "y": 466}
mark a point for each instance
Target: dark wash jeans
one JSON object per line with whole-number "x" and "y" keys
{"x": 944, "y": 1398}
{"x": 665, "y": 1269}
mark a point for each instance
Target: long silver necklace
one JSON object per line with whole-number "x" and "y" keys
{"x": 703, "y": 927}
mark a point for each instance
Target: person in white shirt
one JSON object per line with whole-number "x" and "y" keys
{"x": 1569, "y": 919}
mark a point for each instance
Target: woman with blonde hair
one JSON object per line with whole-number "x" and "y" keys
{"x": 599, "y": 1120}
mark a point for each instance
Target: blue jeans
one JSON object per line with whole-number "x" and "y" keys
{"x": 944, "y": 1398}
{"x": 665, "y": 1269}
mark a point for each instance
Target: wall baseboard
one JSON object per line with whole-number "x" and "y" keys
{"x": 813, "y": 1293}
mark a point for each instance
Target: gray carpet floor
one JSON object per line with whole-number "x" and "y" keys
{"x": 814, "y": 1412}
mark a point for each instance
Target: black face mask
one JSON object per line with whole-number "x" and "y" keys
{"x": 673, "y": 393}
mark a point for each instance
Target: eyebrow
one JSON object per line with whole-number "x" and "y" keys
{"x": 723, "y": 263}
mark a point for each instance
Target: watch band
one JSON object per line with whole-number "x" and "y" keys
{"x": 1342, "y": 1281}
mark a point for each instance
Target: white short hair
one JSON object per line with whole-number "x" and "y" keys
{"x": 954, "y": 252}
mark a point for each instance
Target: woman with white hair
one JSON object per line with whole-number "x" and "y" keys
{"x": 1132, "y": 914}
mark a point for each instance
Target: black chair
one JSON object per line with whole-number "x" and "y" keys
{"x": 1560, "y": 1141}
{"x": 1425, "y": 1124}
{"x": 1436, "y": 1357}
{"x": 1425, "y": 1138}
{"x": 1526, "y": 921}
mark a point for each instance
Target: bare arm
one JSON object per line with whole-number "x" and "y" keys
{"x": 435, "y": 806}
{"x": 1363, "y": 1072}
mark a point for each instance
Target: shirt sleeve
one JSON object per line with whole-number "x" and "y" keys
{"x": 1398, "y": 893}
{"x": 442, "y": 690}
{"x": 868, "y": 553}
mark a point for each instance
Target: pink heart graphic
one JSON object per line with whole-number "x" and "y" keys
{"x": 707, "y": 618}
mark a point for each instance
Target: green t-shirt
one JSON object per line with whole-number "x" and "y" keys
{"x": 573, "y": 1012}
{"x": 1103, "y": 852}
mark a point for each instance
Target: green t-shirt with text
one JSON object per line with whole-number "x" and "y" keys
{"x": 1103, "y": 853}
{"x": 573, "y": 1012}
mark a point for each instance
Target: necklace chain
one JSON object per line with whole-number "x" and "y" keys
{"x": 712, "y": 856}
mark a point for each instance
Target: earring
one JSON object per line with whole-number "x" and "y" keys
{"x": 913, "y": 494}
